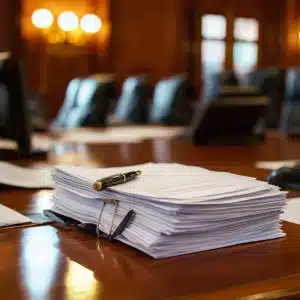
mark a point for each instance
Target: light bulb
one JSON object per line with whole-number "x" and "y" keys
{"x": 90, "y": 23}
{"x": 67, "y": 21}
{"x": 42, "y": 18}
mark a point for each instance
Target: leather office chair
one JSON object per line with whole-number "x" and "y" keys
{"x": 228, "y": 78}
{"x": 232, "y": 117}
{"x": 213, "y": 85}
{"x": 87, "y": 103}
{"x": 14, "y": 113}
{"x": 68, "y": 104}
{"x": 170, "y": 104}
{"x": 290, "y": 122}
{"x": 101, "y": 102}
{"x": 132, "y": 105}
{"x": 91, "y": 105}
{"x": 270, "y": 82}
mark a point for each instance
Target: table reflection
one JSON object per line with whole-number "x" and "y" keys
{"x": 79, "y": 280}
{"x": 39, "y": 261}
{"x": 42, "y": 200}
{"x": 161, "y": 150}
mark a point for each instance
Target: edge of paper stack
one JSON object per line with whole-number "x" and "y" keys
{"x": 178, "y": 209}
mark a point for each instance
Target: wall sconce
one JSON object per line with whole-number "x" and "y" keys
{"x": 42, "y": 18}
{"x": 66, "y": 28}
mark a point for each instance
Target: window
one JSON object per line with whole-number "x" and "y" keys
{"x": 246, "y": 29}
{"x": 213, "y": 45}
{"x": 245, "y": 49}
{"x": 213, "y": 27}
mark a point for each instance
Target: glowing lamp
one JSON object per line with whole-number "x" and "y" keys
{"x": 90, "y": 23}
{"x": 42, "y": 18}
{"x": 67, "y": 21}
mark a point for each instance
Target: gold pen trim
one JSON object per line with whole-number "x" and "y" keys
{"x": 97, "y": 186}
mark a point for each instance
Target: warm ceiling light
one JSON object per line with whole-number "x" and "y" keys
{"x": 42, "y": 18}
{"x": 67, "y": 21}
{"x": 90, "y": 23}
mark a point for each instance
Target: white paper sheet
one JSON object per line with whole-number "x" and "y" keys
{"x": 9, "y": 217}
{"x": 39, "y": 142}
{"x": 126, "y": 134}
{"x": 274, "y": 165}
{"x": 292, "y": 211}
{"x": 24, "y": 177}
{"x": 97, "y": 137}
{"x": 147, "y": 132}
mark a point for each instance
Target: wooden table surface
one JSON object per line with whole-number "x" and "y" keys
{"x": 49, "y": 263}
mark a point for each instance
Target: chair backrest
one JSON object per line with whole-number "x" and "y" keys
{"x": 290, "y": 122}
{"x": 15, "y": 123}
{"x": 170, "y": 104}
{"x": 101, "y": 102}
{"x": 132, "y": 105}
{"x": 270, "y": 82}
{"x": 86, "y": 104}
{"x": 68, "y": 104}
{"x": 229, "y": 118}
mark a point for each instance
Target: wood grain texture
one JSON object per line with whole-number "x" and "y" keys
{"x": 291, "y": 29}
{"x": 147, "y": 38}
{"x": 49, "y": 263}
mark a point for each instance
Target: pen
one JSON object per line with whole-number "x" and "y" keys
{"x": 116, "y": 179}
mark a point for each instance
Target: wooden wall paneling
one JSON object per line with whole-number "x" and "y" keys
{"x": 271, "y": 33}
{"x": 197, "y": 50}
{"x": 179, "y": 55}
{"x": 192, "y": 48}
{"x": 10, "y": 32}
{"x": 99, "y": 48}
{"x": 146, "y": 39}
{"x": 5, "y": 24}
{"x": 291, "y": 20}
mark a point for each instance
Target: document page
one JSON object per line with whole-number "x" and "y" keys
{"x": 292, "y": 211}
{"x": 9, "y": 217}
{"x": 31, "y": 178}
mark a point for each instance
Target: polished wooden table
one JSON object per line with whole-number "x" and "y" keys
{"x": 48, "y": 263}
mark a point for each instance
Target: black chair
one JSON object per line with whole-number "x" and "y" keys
{"x": 132, "y": 105}
{"x": 68, "y": 104}
{"x": 90, "y": 105}
{"x": 14, "y": 113}
{"x": 270, "y": 82}
{"x": 101, "y": 102}
{"x": 170, "y": 102}
{"x": 290, "y": 122}
{"x": 234, "y": 117}
{"x": 37, "y": 112}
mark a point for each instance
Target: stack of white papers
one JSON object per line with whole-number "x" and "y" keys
{"x": 178, "y": 209}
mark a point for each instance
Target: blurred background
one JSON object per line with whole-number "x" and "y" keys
{"x": 114, "y": 62}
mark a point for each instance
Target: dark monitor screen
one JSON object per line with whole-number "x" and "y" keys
{"x": 14, "y": 119}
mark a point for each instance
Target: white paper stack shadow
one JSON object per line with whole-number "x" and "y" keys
{"x": 178, "y": 209}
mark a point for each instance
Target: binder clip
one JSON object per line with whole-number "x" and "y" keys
{"x": 112, "y": 235}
